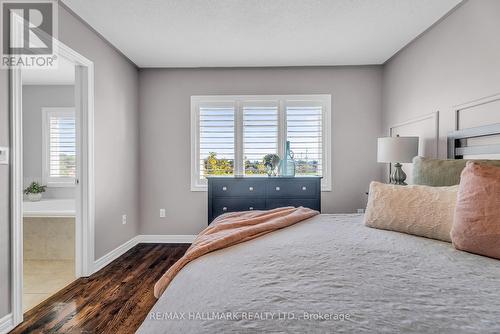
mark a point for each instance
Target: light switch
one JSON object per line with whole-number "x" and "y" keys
{"x": 4, "y": 155}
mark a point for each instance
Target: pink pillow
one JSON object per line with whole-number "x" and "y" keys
{"x": 476, "y": 227}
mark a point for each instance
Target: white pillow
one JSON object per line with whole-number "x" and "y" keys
{"x": 419, "y": 210}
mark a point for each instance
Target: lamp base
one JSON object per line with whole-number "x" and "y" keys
{"x": 398, "y": 177}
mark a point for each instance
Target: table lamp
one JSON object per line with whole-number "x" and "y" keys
{"x": 397, "y": 150}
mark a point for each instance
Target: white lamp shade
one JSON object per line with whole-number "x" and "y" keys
{"x": 397, "y": 149}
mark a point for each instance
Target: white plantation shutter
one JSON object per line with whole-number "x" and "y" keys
{"x": 60, "y": 146}
{"x": 230, "y": 135}
{"x": 305, "y": 132}
{"x": 260, "y": 135}
{"x": 216, "y": 140}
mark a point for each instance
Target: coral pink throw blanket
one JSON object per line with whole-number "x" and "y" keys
{"x": 231, "y": 229}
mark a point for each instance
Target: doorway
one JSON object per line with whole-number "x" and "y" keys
{"x": 52, "y": 178}
{"x": 49, "y": 181}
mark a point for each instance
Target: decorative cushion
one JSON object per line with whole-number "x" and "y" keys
{"x": 418, "y": 210}
{"x": 476, "y": 228}
{"x": 441, "y": 173}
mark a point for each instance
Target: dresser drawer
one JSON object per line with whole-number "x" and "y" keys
{"x": 232, "y": 194}
{"x": 223, "y": 205}
{"x": 296, "y": 202}
{"x": 291, "y": 188}
{"x": 238, "y": 187}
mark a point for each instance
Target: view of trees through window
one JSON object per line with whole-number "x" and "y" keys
{"x": 217, "y": 166}
{"x": 221, "y": 166}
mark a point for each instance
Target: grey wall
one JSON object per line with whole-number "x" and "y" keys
{"x": 36, "y": 97}
{"x": 116, "y": 135}
{"x": 457, "y": 61}
{"x": 165, "y": 134}
{"x": 116, "y": 146}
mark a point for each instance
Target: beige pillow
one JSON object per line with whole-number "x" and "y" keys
{"x": 418, "y": 210}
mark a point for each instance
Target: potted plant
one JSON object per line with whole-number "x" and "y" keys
{"x": 271, "y": 162}
{"x": 34, "y": 191}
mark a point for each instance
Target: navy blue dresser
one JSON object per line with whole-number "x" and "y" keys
{"x": 229, "y": 194}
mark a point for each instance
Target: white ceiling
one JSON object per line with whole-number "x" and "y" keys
{"x": 220, "y": 33}
{"x": 64, "y": 74}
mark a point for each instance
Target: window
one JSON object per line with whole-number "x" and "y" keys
{"x": 216, "y": 139}
{"x": 59, "y": 147}
{"x": 260, "y": 135}
{"x": 230, "y": 135}
{"x": 305, "y": 133}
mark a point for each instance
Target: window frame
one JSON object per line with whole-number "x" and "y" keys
{"x": 237, "y": 102}
{"x": 54, "y": 182}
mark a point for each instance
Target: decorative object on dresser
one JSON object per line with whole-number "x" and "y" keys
{"x": 287, "y": 165}
{"x": 271, "y": 163}
{"x": 397, "y": 150}
{"x": 229, "y": 194}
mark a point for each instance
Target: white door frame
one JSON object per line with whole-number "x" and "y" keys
{"x": 85, "y": 198}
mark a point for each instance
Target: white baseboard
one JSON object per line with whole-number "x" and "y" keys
{"x": 114, "y": 254}
{"x": 6, "y": 324}
{"x": 146, "y": 239}
{"x": 166, "y": 239}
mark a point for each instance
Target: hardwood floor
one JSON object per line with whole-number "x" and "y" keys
{"x": 114, "y": 300}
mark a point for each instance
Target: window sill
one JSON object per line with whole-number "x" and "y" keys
{"x": 61, "y": 185}
{"x": 199, "y": 188}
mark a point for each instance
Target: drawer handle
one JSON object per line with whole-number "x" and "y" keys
{"x": 250, "y": 188}
{"x": 224, "y": 188}
{"x": 224, "y": 209}
{"x": 277, "y": 188}
{"x": 250, "y": 208}
{"x": 304, "y": 188}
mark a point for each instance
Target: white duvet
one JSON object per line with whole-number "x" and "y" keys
{"x": 332, "y": 274}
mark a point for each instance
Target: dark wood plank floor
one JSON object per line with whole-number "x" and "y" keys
{"x": 114, "y": 300}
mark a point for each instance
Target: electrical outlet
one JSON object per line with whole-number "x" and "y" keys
{"x": 124, "y": 219}
{"x": 361, "y": 210}
{"x": 4, "y": 155}
{"x": 162, "y": 213}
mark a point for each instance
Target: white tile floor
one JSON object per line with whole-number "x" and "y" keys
{"x": 43, "y": 278}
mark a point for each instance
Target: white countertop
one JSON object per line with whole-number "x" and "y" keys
{"x": 49, "y": 208}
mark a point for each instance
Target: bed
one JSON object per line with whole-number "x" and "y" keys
{"x": 331, "y": 273}
{"x": 334, "y": 267}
